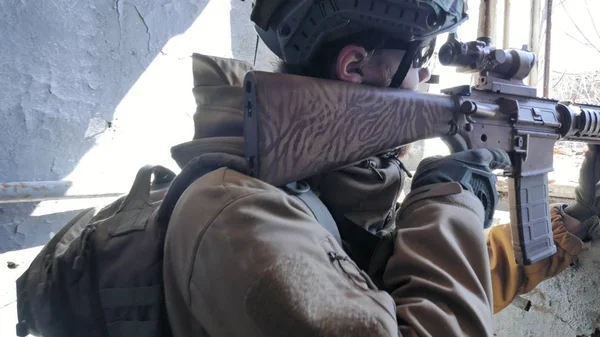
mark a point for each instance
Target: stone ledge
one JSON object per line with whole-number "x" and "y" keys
{"x": 563, "y": 191}
{"x": 557, "y": 191}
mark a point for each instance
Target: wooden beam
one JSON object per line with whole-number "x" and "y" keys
{"x": 487, "y": 19}
{"x": 548, "y": 53}
{"x": 507, "y": 14}
{"x": 534, "y": 39}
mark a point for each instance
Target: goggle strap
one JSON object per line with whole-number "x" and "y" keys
{"x": 405, "y": 64}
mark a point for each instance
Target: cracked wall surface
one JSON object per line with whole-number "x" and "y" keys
{"x": 92, "y": 90}
{"x": 566, "y": 306}
{"x": 66, "y": 63}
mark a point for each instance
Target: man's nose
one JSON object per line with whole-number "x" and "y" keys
{"x": 424, "y": 74}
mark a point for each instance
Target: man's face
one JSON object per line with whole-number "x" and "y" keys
{"x": 356, "y": 65}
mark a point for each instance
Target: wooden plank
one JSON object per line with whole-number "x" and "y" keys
{"x": 487, "y": 19}
{"x": 534, "y": 39}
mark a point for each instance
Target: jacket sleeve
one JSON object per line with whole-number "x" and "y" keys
{"x": 510, "y": 279}
{"x": 439, "y": 270}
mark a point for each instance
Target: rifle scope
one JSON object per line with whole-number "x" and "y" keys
{"x": 481, "y": 56}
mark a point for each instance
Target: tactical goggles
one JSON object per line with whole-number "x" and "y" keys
{"x": 424, "y": 54}
{"x": 417, "y": 55}
{"x": 421, "y": 56}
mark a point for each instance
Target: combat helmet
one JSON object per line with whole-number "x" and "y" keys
{"x": 295, "y": 29}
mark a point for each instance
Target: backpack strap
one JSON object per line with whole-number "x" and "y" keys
{"x": 375, "y": 250}
{"x": 302, "y": 191}
{"x": 195, "y": 169}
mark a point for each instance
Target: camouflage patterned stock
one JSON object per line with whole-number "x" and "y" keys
{"x": 297, "y": 126}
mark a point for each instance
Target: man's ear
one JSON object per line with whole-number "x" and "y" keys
{"x": 350, "y": 61}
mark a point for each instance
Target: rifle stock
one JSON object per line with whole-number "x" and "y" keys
{"x": 296, "y": 127}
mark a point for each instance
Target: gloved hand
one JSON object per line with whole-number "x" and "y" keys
{"x": 586, "y": 208}
{"x": 472, "y": 169}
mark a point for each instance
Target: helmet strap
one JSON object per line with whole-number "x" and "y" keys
{"x": 256, "y": 50}
{"x": 405, "y": 64}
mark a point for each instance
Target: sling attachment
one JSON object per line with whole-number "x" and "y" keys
{"x": 302, "y": 191}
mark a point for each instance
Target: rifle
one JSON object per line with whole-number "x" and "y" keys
{"x": 296, "y": 127}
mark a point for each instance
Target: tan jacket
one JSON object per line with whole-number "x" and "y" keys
{"x": 242, "y": 258}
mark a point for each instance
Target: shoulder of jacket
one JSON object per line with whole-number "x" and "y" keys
{"x": 228, "y": 184}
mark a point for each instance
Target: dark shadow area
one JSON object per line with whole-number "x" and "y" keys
{"x": 65, "y": 66}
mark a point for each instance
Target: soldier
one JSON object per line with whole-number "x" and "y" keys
{"x": 244, "y": 258}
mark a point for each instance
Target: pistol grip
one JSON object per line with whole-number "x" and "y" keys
{"x": 531, "y": 226}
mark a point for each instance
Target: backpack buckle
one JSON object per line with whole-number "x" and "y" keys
{"x": 22, "y": 329}
{"x": 297, "y": 187}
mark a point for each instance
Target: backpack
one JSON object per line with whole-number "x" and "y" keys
{"x": 101, "y": 274}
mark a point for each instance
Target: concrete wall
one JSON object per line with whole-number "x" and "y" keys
{"x": 92, "y": 90}
{"x": 566, "y": 306}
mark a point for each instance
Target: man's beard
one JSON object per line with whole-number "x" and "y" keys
{"x": 403, "y": 151}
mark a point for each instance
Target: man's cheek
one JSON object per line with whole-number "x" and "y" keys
{"x": 411, "y": 81}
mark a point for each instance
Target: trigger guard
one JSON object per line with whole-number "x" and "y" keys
{"x": 456, "y": 143}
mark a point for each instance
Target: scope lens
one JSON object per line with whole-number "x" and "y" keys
{"x": 446, "y": 54}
